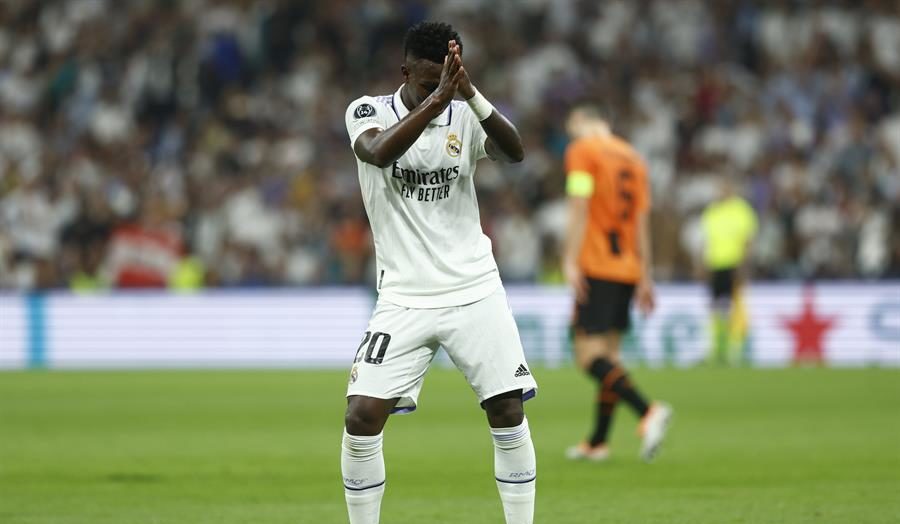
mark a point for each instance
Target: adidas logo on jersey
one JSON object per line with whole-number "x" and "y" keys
{"x": 522, "y": 371}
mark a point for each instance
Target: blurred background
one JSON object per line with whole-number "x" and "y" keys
{"x": 197, "y": 144}
{"x": 219, "y": 127}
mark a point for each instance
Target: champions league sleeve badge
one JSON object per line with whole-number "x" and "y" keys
{"x": 364, "y": 111}
{"x": 454, "y": 145}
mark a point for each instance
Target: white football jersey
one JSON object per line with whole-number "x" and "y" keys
{"x": 429, "y": 247}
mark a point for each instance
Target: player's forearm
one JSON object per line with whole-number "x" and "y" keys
{"x": 504, "y": 142}
{"x": 645, "y": 246}
{"x": 385, "y": 147}
{"x": 573, "y": 246}
{"x": 575, "y": 230}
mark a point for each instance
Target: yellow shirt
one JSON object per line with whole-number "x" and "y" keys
{"x": 728, "y": 227}
{"x": 83, "y": 283}
{"x": 189, "y": 275}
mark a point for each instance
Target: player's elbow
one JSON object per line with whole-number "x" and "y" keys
{"x": 380, "y": 164}
{"x": 376, "y": 159}
{"x": 379, "y": 158}
{"x": 512, "y": 155}
{"x": 509, "y": 149}
{"x": 369, "y": 151}
{"x": 514, "y": 151}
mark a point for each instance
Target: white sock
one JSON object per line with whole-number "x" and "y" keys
{"x": 362, "y": 465}
{"x": 515, "y": 468}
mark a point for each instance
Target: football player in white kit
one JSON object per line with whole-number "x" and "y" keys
{"x": 437, "y": 279}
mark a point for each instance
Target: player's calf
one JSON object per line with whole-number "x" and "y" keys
{"x": 362, "y": 468}
{"x": 515, "y": 469}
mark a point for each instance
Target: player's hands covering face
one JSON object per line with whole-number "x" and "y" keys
{"x": 465, "y": 87}
{"x": 451, "y": 74}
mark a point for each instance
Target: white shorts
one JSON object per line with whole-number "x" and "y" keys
{"x": 481, "y": 339}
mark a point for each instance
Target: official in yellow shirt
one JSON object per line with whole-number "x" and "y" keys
{"x": 729, "y": 225}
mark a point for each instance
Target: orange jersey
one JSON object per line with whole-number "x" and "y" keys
{"x": 620, "y": 195}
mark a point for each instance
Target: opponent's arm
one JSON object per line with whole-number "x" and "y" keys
{"x": 577, "y": 222}
{"x": 644, "y": 293}
{"x": 382, "y": 146}
{"x": 503, "y": 141}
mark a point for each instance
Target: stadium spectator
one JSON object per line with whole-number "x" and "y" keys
{"x": 225, "y": 110}
{"x": 144, "y": 253}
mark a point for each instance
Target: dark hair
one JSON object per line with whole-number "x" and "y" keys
{"x": 428, "y": 40}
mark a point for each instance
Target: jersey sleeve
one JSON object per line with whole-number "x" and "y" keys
{"x": 363, "y": 114}
{"x": 579, "y": 170}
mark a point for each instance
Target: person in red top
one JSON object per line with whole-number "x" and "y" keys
{"x": 143, "y": 254}
{"x": 607, "y": 262}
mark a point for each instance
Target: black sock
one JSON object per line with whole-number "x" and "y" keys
{"x": 606, "y": 406}
{"x": 613, "y": 376}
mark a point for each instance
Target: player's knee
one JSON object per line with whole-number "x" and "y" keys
{"x": 721, "y": 305}
{"x": 593, "y": 347}
{"x": 587, "y": 350}
{"x": 361, "y": 423}
{"x": 584, "y": 362}
{"x": 364, "y": 420}
{"x": 505, "y": 412}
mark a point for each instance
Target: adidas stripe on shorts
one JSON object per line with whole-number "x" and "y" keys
{"x": 481, "y": 339}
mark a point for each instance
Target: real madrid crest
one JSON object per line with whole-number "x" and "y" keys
{"x": 454, "y": 145}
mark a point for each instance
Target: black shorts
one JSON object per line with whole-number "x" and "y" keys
{"x": 608, "y": 308}
{"x": 721, "y": 283}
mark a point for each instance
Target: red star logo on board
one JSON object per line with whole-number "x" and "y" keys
{"x": 809, "y": 330}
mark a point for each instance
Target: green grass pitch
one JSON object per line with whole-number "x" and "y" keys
{"x": 747, "y": 446}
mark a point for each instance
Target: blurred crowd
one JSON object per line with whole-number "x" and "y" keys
{"x": 191, "y": 143}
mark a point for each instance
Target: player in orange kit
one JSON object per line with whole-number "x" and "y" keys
{"x": 607, "y": 261}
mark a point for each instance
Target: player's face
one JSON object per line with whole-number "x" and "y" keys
{"x": 422, "y": 77}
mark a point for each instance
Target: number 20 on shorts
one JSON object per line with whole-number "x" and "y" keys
{"x": 372, "y": 339}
